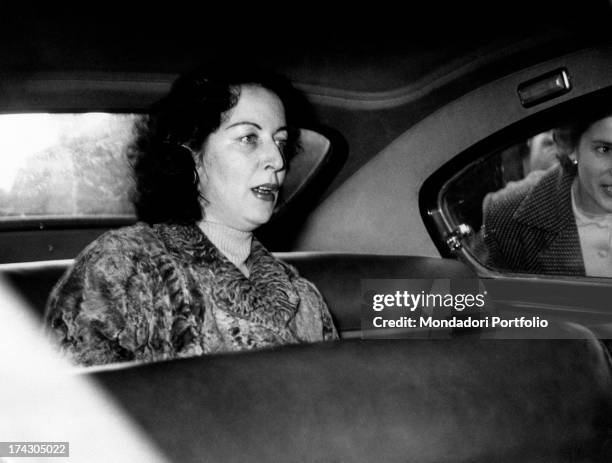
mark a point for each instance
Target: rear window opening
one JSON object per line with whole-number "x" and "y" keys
{"x": 64, "y": 166}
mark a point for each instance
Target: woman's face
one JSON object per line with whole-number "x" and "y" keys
{"x": 243, "y": 166}
{"x": 594, "y": 155}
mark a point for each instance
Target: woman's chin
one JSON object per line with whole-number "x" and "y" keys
{"x": 259, "y": 218}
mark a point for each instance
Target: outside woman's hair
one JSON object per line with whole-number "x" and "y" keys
{"x": 568, "y": 136}
{"x": 162, "y": 154}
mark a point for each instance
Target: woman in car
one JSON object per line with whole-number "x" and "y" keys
{"x": 190, "y": 278}
{"x": 558, "y": 221}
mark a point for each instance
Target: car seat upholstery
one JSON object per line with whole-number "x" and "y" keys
{"x": 338, "y": 277}
{"x": 33, "y": 281}
{"x": 460, "y": 400}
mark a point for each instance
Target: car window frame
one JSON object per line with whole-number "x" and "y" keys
{"x": 435, "y": 213}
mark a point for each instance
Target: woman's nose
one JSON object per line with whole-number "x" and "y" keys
{"x": 273, "y": 156}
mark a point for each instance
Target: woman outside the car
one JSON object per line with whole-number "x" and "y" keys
{"x": 559, "y": 221}
{"x": 190, "y": 278}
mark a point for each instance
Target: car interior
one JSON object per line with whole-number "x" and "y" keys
{"x": 389, "y": 186}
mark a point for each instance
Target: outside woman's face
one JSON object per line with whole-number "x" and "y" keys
{"x": 594, "y": 155}
{"x": 243, "y": 166}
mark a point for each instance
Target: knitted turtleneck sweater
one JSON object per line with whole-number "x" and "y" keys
{"x": 234, "y": 244}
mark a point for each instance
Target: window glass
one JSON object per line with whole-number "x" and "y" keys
{"x": 463, "y": 197}
{"x": 64, "y": 165}
{"x": 540, "y": 206}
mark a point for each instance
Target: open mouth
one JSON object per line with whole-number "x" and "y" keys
{"x": 266, "y": 191}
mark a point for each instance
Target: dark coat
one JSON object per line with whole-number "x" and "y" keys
{"x": 529, "y": 226}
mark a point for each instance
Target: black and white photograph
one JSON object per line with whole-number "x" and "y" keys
{"x": 306, "y": 233}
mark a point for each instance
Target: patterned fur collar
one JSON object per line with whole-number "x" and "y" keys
{"x": 267, "y": 297}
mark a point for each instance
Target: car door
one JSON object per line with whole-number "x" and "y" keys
{"x": 502, "y": 122}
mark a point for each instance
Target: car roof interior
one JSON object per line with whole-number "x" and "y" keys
{"x": 403, "y": 70}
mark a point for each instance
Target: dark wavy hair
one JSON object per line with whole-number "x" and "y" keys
{"x": 167, "y": 139}
{"x": 568, "y": 136}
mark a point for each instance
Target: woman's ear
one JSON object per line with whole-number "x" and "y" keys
{"x": 200, "y": 163}
{"x": 573, "y": 157}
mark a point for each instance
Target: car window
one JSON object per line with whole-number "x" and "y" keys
{"x": 75, "y": 165}
{"x": 65, "y": 178}
{"x": 64, "y": 166}
{"x": 539, "y": 206}
{"x": 464, "y": 195}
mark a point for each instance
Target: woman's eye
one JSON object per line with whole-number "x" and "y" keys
{"x": 603, "y": 149}
{"x": 281, "y": 143}
{"x": 250, "y": 139}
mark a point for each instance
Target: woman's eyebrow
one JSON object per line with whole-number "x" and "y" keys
{"x": 284, "y": 128}
{"x": 243, "y": 123}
